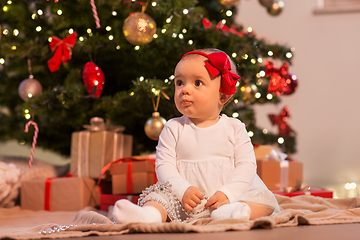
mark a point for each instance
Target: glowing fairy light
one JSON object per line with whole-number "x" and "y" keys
{"x": 59, "y": 12}
{"x": 251, "y": 133}
{"x": 281, "y": 140}
{"x": 235, "y": 115}
{"x": 269, "y": 96}
{"x": 38, "y": 28}
{"x": 289, "y": 55}
{"x": 270, "y": 53}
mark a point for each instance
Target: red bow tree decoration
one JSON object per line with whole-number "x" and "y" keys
{"x": 93, "y": 78}
{"x": 280, "y": 120}
{"x": 62, "y": 50}
{"x": 281, "y": 82}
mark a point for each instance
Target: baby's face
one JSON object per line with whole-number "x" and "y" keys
{"x": 197, "y": 96}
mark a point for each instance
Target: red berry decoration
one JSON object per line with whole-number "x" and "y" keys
{"x": 93, "y": 78}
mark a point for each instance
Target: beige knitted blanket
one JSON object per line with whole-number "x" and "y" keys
{"x": 16, "y": 223}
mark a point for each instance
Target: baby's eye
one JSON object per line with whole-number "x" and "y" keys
{"x": 198, "y": 83}
{"x": 178, "y": 82}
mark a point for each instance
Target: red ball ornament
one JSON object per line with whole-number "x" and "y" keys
{"x": 93, "y": 78}
{"x": 290, "y": 84}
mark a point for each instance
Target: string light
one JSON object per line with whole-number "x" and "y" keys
{"x": 2, "y": 61}
{"x": 38, "y": 28}
{"x": 81, "y": 39}
{"x": 5, "y": 8}
{"x": 154, "y": 4}
{"x": 5, "y": 31}
{"x": 137, "y": 47}
{"x": 141, "y": 78}
{"x": 33, "y": 16}
{"x": 245, "y": 56}
{"x": 288, "y": 55}
{"x": 270, "y": 53}
{"x": 236, "y": 101}
{"x": 190, "y": 42}
{"x": 234, "y": 55}
{"x": 71, "y": 31}
{"x": 16, "y": 32}
{"x": 108, "y": 28}
{"x": 251, "y": 133}
{"x": 269, "y": 96}
{"x": 262, "y": 73}
{"x": 260, "y": 60}
{"x": 163, "y": 30}
{"x": 59, "y": 12}
{"x": 257, "y": 95}
{"x": 235, "y": 115}
{"x": 181, "y": 36}
{"x": 264, "y": 131}
{"x": 229, "y": 13}
{"x": 253, "y": 61}
{"x": 40, "y": 12}
{"x": 114, "y": 13}
{"x": 155, "y": 35}
{"x": 118, "y": 47}
{"x": 185, "y": 11}
{"x": 281, "y": 140}
{"x": 249, "y": 29}
{"x": 111, "y": 37}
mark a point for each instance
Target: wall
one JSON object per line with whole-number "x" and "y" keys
{"x": 324, "y": 111}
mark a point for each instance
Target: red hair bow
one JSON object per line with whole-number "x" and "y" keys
{"x": 219, "y": 63}
{"x": 62, "y": 50}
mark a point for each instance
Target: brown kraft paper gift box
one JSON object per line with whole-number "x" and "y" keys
{"x": 63, "y": 194}
{"x": 142, "y": 176}
{"x": 277, "y": 175}
{"x": 92, "y": 149}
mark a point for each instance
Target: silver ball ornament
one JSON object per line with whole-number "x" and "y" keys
{"x": 154, "y": 125}
{"x": 29, "y": 88}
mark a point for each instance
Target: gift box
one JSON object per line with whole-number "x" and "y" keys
{"x": 131, "y": 177}
{"x": 107, "y": 200}
{"x": 59, "y": 194}
{"x": 318, "y": 193}
{"x": 278, "y": 175}
{"x": 101, "y": 144}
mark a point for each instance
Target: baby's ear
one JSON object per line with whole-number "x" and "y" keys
{"x": 224, "y": 99}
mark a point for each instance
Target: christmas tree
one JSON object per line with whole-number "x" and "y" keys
{"x": 52, "y": 50}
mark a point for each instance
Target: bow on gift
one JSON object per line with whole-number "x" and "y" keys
{"x": 62, "y": 50}
{"x": 280, "y": 120}
{"x": 219, "y": 64}
{"x": 221, "y": 26}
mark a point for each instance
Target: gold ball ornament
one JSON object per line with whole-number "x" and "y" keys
{"x": 154, "y": 125}
{"x": 276, "y": 8}
{"x": 229, "y": 3}
{"x": 29, "y": 88}
{"x": 248, "y": 91}
{"x": 139, "y": 28}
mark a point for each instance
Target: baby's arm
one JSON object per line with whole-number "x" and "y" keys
{"x": 166, "y": 168}
{"x": 245, "y": 164}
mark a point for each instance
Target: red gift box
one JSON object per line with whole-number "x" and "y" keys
{"x": 107, "y": 200}
{"x": 318, "y": 193}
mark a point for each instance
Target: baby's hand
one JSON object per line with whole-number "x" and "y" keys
{"x": 216, "y": 200}
{"x": 192, "y": 197}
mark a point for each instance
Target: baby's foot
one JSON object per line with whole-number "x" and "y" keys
{"x": 125, "y": 211}
{"x": 237, "y": 210}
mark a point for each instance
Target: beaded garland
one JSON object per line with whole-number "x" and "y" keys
{"x": 173, "y": 204}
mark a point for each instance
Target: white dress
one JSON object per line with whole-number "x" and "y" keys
{"x": 215, "y": 158}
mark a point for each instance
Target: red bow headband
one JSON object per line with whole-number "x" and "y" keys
{"x": 219, "y": 63}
